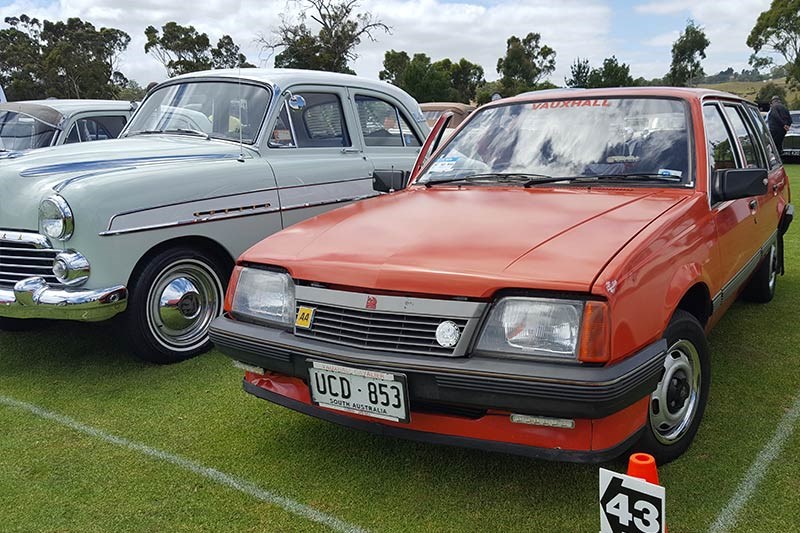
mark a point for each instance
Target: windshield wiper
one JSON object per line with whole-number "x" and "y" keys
{"x": 501, "y": 177}
{"x": 143, "y": 132}
{"x": 186, "y": 131}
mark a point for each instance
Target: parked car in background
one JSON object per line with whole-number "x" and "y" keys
{"x": 39, "y": 123}
{"x": 211, "y": 163}
{"x": 543, "y": 286}
{"x": 791, "y": 143}
{"x": 433, "y": 110}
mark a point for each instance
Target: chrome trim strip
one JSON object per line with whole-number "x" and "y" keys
{"x": 731, "y": 288}
{"x": 36, "y": 240}
{"x": 316, "y": 194}
{"x": 195, "y": 212}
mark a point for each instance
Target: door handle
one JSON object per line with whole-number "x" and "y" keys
{"x": 774, "y": 187}
{"x": 350, "y": 150}
{"x": 753, "y": 204}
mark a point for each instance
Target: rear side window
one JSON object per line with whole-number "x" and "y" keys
{"x": 318, "y": 124}
{"x": 96, "y": 129}
{"x": 766, "y": 139}
{"x": 383, "y": 124}
{"x": 750, "y": 149}
{"x": 720, "y": 146}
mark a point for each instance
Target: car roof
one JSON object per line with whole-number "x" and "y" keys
{"x": 446, "y": 106}
{"x": 686, "y": 93}
{"x": 281, "y": 78}
{"x": 53, "y": 111}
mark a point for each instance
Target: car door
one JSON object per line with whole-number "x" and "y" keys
{"x": 730, "y": 145}
{"x": 315, "y": 153}
{"x": 386, "y": 129}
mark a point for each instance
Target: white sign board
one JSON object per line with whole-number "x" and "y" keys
{"x": 630, "y": 505}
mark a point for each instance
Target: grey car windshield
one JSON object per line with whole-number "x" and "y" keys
{"x": 19, "y": 131}
{"x": 218, "y": 109}
{"x": 578, "y": 138}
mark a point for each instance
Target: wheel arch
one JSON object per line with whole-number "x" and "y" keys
{"x": 689, "y": 291}
{"x": 197, "y": 242}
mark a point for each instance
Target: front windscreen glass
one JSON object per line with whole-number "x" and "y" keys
{"x": 580, "y": 139}
{"x": 221, "y": 110}
{"x": 19, "y": 131}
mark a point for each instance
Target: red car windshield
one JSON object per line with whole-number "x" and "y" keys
{"x": 572, "y": 139}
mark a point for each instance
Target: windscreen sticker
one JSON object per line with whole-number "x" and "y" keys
{"x": 622, "y": 159}
{"x": 668, "y": 172}
{"x": 570, "y": 103}
{"x": 444, "y": 164}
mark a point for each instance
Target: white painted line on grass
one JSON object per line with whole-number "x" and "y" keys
{"x": 747, "y": 487}
{"x": 213, "y": 474}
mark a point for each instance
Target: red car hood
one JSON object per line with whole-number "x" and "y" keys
{"x": 467, "y": 242}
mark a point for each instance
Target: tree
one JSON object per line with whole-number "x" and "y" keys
{"x": 443, "y": 80}
{"x": 65, "y": 59}
{"x": 768, "y": 90}
{"x": 227, "y": 55}
{"x": 394, "y": 66}
{"x": 580, "y": 71}
{"x": 132, "y": 92}
{"x": 20, "y": 57}
{"x": 332, "y": 46}
{"x": 465, "y": 78}
{"x": 526, "y": 62}
{"x": 611, "y": 74}
{"x": 777, "y": 31}
{"x": 687, "y": 51}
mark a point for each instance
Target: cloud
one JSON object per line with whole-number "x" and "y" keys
{"x": 476, "y": 31}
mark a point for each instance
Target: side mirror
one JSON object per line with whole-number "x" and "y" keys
{"x": 735, "y": 183}
{"x": 296, "y": 102}
{"x": 389, "y": 180}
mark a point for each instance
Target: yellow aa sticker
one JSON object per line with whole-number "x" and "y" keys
{"x": 304, "y": 317}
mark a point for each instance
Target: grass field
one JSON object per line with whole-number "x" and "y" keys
{"x": 54, "y": 478}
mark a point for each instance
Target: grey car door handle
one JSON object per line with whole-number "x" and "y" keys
{"x": 350, "y": 150}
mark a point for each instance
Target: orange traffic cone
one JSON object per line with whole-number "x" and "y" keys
{"x": 643, "y": 466}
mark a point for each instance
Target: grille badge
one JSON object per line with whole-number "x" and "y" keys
{"x": 372, "y": 302}
{"x": 447, "y": 334}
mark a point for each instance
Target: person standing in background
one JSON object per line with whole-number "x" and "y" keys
{"x": 779, "y": 121}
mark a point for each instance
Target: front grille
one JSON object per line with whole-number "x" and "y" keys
{"x": 377, "y": 330}
{"x": 20, "y": 260}
{"x": 791, "y": 142}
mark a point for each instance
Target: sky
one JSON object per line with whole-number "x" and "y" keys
{"x": 638, "y": 32}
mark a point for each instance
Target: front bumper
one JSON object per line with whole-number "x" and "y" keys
{"x": 35, "y": 298}
{"x": 466, "y": 401}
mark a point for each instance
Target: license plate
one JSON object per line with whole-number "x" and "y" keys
{"x": 355, "y": 390}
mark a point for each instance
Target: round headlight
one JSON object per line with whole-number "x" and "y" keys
{"x": 55, "y": 218}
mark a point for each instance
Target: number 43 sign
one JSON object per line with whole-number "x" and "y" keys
{"x": 630, "y": 505}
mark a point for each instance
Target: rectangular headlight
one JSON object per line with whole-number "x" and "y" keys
{"x": 533, "y": 327}
{"x": 265, "y": 296}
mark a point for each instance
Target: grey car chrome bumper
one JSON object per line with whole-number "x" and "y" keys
{"x": 34, "y": 298}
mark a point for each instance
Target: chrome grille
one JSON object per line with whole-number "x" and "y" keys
{"x": 20, "y": 260}
{"x": 377, "y": 330}
{"x": 792, "y": 142}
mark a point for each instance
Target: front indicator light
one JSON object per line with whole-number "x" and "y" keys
{"x": 594, "y": 344}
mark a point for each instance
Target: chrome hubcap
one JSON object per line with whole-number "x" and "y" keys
{"x": 773, "y": 266}
{"x": 182, "y": 302}
{"x": 674, "y": 402}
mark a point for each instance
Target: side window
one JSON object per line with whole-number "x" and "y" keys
{"x": 720, "y": 146}
{"x": 750, "y": 149}
{"x": 318, "y": 124}
{"x": 382, "y": 123}
{"x": 766, "y": 138}
{"x": 95, "y": 129}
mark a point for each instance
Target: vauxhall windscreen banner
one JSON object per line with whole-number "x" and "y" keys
{"x": 630, "y": 505}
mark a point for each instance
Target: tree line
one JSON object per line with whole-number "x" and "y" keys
{"x": 74, "y": 59}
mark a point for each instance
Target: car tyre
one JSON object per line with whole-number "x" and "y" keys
{"x": 173, "y": 300}
{"x": 679, "y": 400}
{"x": 761, "y": 287}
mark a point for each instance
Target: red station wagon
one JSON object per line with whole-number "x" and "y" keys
{"x": 543, "y": 285}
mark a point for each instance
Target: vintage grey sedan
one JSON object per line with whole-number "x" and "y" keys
{"x": 41, "y": 123}
{"x": 212, "y": 162}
